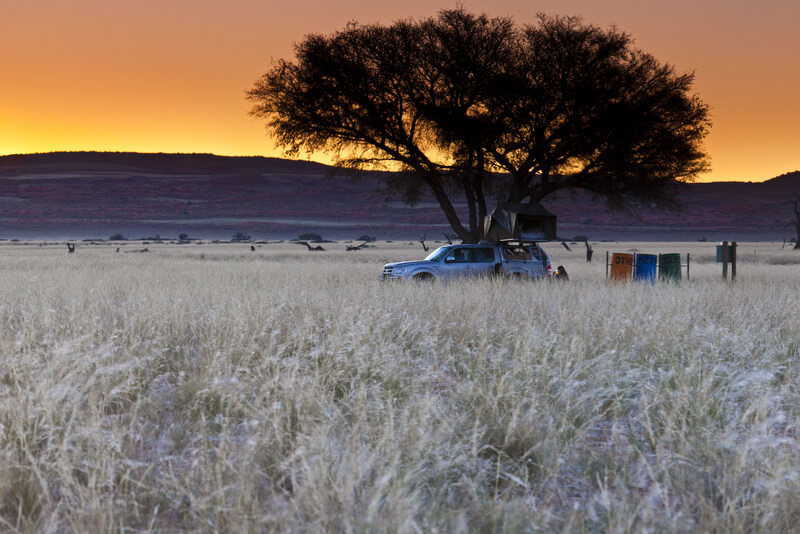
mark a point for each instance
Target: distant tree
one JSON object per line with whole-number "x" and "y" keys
{"x": 471, "y": 107}
{"x": 183, "y": 237}
{"x": 241, "y": 236}
{"x": 796, "y": 221}
{"x": 310, "y": 236}
{"x": 589, "y": 251}
{"x": 367, "y": 238}
{"x": 117, "y": 237}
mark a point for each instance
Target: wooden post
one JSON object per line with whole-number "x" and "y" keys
{"x": 724, "y": 260}
{"x": 733, "y": 261}
{"x": 688, "y": 261}
{"x": 607, "y": 263}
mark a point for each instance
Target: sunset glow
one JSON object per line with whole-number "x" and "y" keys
{"x": 154, "y": 76}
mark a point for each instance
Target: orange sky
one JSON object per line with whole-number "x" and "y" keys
{"x": 171, "y": 75}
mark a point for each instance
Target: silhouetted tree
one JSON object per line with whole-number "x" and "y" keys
{"x": 310, "y": 236}
{"x": 471, "y": 107}
{"x": 796, "y": 221}
{"x": 317, "y": 248}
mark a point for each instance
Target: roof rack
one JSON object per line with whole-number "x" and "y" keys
{"x": 519, "y": 242}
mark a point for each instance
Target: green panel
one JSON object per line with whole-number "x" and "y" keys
{"x": 669, "y": 267}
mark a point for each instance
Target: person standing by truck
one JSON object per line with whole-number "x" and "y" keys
{"x": 561, "y": 274}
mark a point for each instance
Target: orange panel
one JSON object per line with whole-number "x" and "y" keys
{"x": 621, "y": 267}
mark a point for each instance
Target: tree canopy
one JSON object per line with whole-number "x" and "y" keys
{"x": 472, "y": 107}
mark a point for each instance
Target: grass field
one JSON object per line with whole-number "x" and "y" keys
{"x": 207, "y": 387}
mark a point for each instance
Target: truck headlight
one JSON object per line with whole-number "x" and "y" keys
{"x": 399, "y": 270}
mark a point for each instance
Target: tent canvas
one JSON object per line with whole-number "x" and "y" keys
{"x": 531, "y": 222}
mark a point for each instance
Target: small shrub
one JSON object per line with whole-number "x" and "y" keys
{"x": 241, "y": 236}
{"x": 117, "y": 237}
{"x": 367, "y": 238}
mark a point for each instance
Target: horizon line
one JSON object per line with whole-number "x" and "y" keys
{"x": 698, "y": 180}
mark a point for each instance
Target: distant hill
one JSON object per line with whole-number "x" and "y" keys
{"x": 94, "y": 194}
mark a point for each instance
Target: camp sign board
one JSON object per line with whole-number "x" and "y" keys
{"x": 646, "y": 265}
{"x": 669, "y": 267}
{"x": 621, "y": 267}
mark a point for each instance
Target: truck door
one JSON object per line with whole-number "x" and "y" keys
{"x": 539, "y": 261}
{"x": 517, "y": 260}
{"x": 457, "y": 263}
{"x": 483, "y": 260}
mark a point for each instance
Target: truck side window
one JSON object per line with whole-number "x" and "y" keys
{"x": 459, "y": 255}
{"x": 483, "y": 255}
{"x": 517, "y": 253}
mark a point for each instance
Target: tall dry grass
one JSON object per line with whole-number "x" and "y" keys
{"x": 210, "y": 388}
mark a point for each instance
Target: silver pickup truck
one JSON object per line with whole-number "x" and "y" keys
{"x": 520, "y": 259}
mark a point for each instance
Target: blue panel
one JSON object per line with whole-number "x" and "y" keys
{"x": 646, "y": 267}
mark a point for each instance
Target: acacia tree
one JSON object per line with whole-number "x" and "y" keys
{"x": 471, "y": 107}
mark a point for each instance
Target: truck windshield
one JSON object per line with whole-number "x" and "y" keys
{"x": 438, "y": 254}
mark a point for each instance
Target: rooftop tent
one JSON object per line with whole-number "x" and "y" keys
{"x": 529, "y": 222}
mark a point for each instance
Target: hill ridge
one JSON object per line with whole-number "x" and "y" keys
{"x": 88, "y": 193}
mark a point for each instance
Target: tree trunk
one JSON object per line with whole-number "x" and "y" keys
{"x": 797, "y": 228}
{"x": 479, "y": 193}
{"x": 468, "y": 183}
{"x": 473, "y": 212}
{"x": 796, "y": 225}
{"x": 449, "y": 210}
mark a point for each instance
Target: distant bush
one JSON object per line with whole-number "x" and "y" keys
{"x": 310, "y": 236}
{"x": 185, "y": 238}
{"x": 241, "y": 236}
{"x": 117, "y": 237}
{"x": 367, "y": 238}
{"x": 782, "y": 260}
